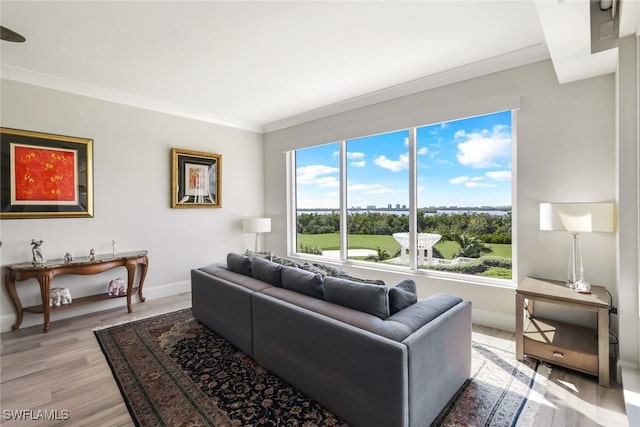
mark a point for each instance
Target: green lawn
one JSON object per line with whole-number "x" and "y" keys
{"x": 370, "y": 241}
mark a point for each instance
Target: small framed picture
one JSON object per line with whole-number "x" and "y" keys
{"x": 195, "y": 179}
{"x": 45, "y": 175}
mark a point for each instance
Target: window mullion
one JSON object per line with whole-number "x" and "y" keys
{"x": 344, "y": 235}
{"x": 413, "y": 196}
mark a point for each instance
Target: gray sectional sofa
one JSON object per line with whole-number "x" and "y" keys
{"x": 372, "y": 354}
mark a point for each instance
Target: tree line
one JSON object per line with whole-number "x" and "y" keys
{"x": 483, "y": 226}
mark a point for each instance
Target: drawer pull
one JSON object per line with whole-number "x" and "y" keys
{"x": 558, "y": 354}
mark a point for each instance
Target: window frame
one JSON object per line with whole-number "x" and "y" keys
{"x": 412, "y": 269}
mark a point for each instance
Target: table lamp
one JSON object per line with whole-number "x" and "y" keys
{"x": 258, "y": 226}
{"x": 577, "y": 218}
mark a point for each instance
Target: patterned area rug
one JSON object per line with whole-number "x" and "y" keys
{"x": 174, "y": 371}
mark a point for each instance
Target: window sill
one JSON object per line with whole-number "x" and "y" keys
{"x": 371, "y": 268}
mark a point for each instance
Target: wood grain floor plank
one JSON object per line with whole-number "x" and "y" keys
{"x": 66, "y": 370}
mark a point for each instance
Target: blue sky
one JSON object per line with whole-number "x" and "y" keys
{"x": 460, "y": 163}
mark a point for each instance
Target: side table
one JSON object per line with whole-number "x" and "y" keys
{"x": 581, "y": 348}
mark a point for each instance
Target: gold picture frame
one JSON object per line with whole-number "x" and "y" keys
{"x": 195, "y": 179}
{"x": 45, "y": 175}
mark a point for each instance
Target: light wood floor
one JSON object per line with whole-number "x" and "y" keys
{"x": 65, "y": 370}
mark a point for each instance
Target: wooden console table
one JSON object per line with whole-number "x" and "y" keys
{"x": 84, "y": 266}
{"x": 581, "y": 348}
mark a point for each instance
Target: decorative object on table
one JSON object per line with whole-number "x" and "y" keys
{"x": 257, "y": 226}
{"x": 577, "y": 218}
{"x": 44, "y": 175}
{"x": 195, "y": 179}
{"x": 114, "y": 248}
{"x": 37, "y": 252}
{"x": 117, "y": 287}
{"x": 59, "y": 296}
{"x": 68, "y": 257}
{"x": 499, "y": 391}
{"x": 92, "y": 255}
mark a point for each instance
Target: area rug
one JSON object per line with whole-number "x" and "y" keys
{"x": 173, "y": 371}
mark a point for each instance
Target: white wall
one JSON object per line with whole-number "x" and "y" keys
{"x": 565, "y": 152}
{"x": 132, "y": 182}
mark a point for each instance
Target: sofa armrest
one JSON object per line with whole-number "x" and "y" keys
{"x": 440, "y": 359}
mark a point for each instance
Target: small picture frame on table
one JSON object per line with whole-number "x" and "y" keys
{"x": 195, "y": 179}
{"x": 45, "y": 175}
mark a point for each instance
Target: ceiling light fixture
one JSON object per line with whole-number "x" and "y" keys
{"x": 10, "y": 35}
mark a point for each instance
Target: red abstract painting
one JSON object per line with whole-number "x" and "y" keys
{"x": 44, "y": 175}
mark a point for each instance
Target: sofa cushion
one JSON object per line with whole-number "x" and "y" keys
{"x": 302, "y": 281}
{"x": 402, "y": 295}
{"x": 239, "y": 263}
{"x": 267, "y": 271}
{"x": 372, "y": 299}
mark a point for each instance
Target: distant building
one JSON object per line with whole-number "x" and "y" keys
{"x": 371, "y": 206}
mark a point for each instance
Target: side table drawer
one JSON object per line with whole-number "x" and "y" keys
{"x": 562, "y": 343}
{"x": 585, "y": 362}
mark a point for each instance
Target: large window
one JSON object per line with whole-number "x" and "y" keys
{"x": 435, "y": 197}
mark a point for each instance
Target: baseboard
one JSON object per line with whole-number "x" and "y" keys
{"x": 492, "y": 319}
{"x": 151, "y": 292}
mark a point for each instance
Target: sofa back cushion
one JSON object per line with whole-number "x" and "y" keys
{"x": 402, "y": 295}
{"x": 304, "y": 282}
{"x": 372, "y": 299}
{"x": 239, "y": 263}
{"x": 267, "y": 271}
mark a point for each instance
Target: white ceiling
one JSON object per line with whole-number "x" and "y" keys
{"x": 266, "y": 65}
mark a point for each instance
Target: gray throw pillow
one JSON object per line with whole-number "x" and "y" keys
{"x": 239, "y": 263}
{"x": 372, "y": 299}
{"x": 267, "y": 271}
{"x": 302, "y": 281}
{"x": 402, "y": 295}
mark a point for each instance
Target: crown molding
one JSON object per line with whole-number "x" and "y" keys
{"x": 71, "y": 86}
{"x": 528, "y": 55}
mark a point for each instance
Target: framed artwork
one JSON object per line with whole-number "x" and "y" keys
{"x": 44, "y": 175}
{"x": 195, "y": 179}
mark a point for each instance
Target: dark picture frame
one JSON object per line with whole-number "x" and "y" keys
{"x": 45, "y": 175}
{"x": 195, "y": 179}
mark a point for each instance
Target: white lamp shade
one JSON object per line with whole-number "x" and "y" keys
{"x": 256, "y": 225}
{"x": 577, "y": 217}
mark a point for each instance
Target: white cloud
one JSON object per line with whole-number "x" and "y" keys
{"x": 327, "y": 181}
{"x": 459, "y": 180}
{"x": 477, "y": 184}
{"x": 393, "y": 165}
{"x": 499, "y": 175}
{"x": 369, "y": 188}
{"x": 423, "y": 151}
{"x": 355, "y": 155}
{"x": 484, "y": 149}
{"x": 359, "y": 164}
{"x": 314, "y": 174}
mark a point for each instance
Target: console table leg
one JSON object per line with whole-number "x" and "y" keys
{"x": 143, "y": 274}
{"x": 10, "y": 284}
{"x": 131, "y": 274}
{"x": 45, "y": 283}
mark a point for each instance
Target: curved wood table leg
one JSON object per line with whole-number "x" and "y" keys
{"x": 143, "y": 274}
{"x": 10, "y": 284}
{"x": 45, "y": 283}
{"x": 131, "y": 274}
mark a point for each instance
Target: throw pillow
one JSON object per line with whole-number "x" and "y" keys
{"x": 302, "y": 281}
{"x": 239, "y": 263}
{"x": 402, "y": 295}
{"x": 254, "y": 255}
{"x": 330, "y": 271}
{"x": 267, "y": 271}
{"x": 372, "y": 299}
